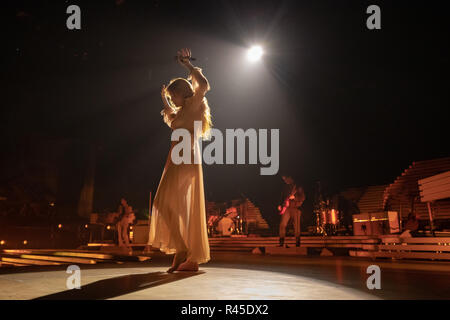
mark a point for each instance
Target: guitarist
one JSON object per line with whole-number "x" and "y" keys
{"x": 292, "y": 198}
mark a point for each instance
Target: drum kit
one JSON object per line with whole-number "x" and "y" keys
{"x": 328, "y": 217}
{"x": 227, "y": 224}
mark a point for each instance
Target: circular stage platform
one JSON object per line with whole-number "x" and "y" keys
{"x": 233, "y": 276}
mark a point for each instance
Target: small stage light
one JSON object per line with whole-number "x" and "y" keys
{"x": 108, "y": 227}
{"x": 25, "y": 242}
{"x": 86, "y": 226}
{"x": 255, "y": 53}
{"x": 2, "y": 242}
{"x": 59, "y": 226}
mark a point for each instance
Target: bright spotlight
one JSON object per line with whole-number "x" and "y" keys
{"x": 255, "y": 53}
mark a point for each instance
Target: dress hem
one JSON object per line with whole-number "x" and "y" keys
{"x": 169, "y": 251}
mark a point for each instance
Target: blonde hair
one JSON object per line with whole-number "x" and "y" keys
{"x": 182, "y": 87}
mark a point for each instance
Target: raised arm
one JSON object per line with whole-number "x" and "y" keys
{"x": 199, "y": 82}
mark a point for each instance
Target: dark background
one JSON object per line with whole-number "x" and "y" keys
{"x": 354, "y": 106}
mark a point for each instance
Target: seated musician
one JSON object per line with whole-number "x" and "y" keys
{"x": 411, "y": 226}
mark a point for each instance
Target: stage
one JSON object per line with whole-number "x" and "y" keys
{"x": 239, "y": 276}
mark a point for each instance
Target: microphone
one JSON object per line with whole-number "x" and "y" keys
{"x": 191, "y": 58}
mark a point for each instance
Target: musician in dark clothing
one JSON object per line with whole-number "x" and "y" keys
{"x": 292, "y": 198}
{"x": 123, "y": 208}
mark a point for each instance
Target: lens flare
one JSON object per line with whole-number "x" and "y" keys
{"x": 255, "y": 53}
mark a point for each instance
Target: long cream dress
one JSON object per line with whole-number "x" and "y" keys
{"x": 178, "y": 220}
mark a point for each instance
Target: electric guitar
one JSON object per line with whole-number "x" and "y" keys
{"x": 283, "y": 209}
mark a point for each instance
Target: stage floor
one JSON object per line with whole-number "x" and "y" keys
{"x": 234, "y": 276}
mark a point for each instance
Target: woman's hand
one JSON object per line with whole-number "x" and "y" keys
{"x": 183, "y": 57}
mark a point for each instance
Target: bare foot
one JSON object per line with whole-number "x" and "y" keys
{"x": 179, "y": 258}
{"x": 188, "y": 266}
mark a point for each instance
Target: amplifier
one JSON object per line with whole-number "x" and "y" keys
{"x": 140, "y": 232}
{"x": 375, "y": 223}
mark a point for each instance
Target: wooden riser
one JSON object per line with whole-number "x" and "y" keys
{"x": 29, "y": 261}
{"x": 296, "y": 251}
{"x": 268, "y": 243}
{"x": 65, "y": 253}
{"x": 305, "y": 238}
{"x": 51, "y": 257}
{"x": 231, "y": 249}
{"x": 11, "y": 264}
{"x": 409, "y": 247}
{"x": 349, "y": 246}
{"x": 401, "y": 255}
{"x": 427, "y": 240}
{"x": 45, "y": 260}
